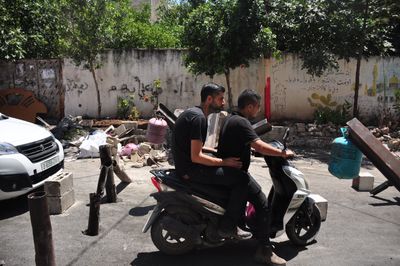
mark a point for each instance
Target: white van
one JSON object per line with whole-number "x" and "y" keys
{"x": 29, "y": 155}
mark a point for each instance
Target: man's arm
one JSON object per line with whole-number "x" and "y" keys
{"x": 266, "y": 149}
{"x": 197, "y": 156}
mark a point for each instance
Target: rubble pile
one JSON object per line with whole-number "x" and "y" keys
{"x": 82, "y": 138}
{"x": 390, "y": 138}
{"x": 313, "y": 135}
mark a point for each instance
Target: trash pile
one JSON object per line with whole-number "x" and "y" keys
{"x": 129, "y": 140}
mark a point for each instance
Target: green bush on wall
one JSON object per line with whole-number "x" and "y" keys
{"x": 337, "y": 116}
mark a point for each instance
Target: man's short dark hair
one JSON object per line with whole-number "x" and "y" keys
{"x": 248, "y": 97}
{"x": 210, "y": 89}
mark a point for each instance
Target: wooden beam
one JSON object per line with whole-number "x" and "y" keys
{"x": 374, "y": 150}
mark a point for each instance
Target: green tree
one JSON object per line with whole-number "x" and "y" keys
{"x": 89, "y": 30}
{"x": 30, "y": 29}
{"x": 223, "y": 34}
{"x": 322, "y": 32}
{"x": 132, "y": 29}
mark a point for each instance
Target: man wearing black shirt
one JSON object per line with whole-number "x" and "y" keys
{"x": 195, "y": 166}
{"x": 236, "y": 139}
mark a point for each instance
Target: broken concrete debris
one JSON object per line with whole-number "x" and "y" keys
{"x": 73, "y": 131}
{"x": 82, "y": 139}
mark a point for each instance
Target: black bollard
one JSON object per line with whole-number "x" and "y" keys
{"x": 95, "y": 198}
{"x": 94, "y": 213}
{"x": 110, "y": 187}
{"x": 41, "y": 228}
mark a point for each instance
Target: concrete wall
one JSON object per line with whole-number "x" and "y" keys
{"x": 294, "y": 93}
{"x": 135, "y": 72}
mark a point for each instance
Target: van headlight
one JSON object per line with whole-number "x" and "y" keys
{"x": 6, "y": 148}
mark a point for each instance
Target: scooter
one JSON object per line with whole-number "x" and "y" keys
{"x": 186, "y": 215}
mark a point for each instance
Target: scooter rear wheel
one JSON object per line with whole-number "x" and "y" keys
{"x": 304, "y": 226}
{"x": 168, "y": 242}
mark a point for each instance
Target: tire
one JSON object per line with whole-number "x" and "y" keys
{"x": 168, "y": 243}
{"x": 300, "y": 230}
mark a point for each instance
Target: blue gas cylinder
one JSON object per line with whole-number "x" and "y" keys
{"x": 345, "y": 159}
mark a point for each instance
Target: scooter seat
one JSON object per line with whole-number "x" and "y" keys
{"x": 216, "y": 194}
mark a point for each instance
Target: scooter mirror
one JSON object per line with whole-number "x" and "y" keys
{"x": 285, "y": 136}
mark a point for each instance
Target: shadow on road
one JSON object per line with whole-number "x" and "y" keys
{"x": 238, "y": 254}
{"x": 16, "y": 206}
{"x": 13, "y": 207}
{"x": 386, "y": 202}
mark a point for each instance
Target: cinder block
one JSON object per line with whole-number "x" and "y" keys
{"x": 364, "y": 182}
{"x": 130, "y": 124}
{"x": 58, "y": 205}
{"x": 59, "y": 184}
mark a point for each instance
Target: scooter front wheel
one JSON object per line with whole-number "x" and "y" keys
{"x": 304, "y": 226}
{"x": 169, "y": 242}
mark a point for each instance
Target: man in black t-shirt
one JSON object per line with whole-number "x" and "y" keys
{"x": 236, "y": 139}
{"x": 195, "y": 166}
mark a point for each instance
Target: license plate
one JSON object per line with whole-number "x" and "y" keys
{"x": 49, "y": 163}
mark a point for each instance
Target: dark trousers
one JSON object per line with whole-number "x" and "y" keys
{"x": 235, "y": 180}
{"x": 263, "y": 213}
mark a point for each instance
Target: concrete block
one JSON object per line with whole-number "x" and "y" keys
{"x": 130, "y": 124}
{"x": 60, "y": 184}
{"x": 58, "y": 205}
{"x": 321, "y": 203}
{"x": 364, "y": 182}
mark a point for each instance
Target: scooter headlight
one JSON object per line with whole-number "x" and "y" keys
{"x": 6, "y": 148}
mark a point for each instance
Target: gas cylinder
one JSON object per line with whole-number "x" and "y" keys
{"x": 345, "y": 158}
{"x": 156, "y": 130}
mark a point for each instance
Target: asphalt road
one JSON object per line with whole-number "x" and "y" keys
{"x": 360, "y": 229}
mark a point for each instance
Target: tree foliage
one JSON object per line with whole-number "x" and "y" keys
{"x": 221, "y": 35}
{"x": 132, "y": 29}
{"x": 322, "y": 32}
{"x": 30, "y": 29}
{"x": 51, "y": 28}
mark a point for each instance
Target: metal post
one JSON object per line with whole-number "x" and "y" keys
{"x": 41, "y": 228}
{"x": 94, "y": 213}
{"x": 110, "y": 187}
{"x": 95, "y": 198}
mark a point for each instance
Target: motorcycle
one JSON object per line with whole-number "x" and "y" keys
{"x": 186, "y": 215}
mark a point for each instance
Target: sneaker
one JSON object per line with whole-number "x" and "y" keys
{"x": 264, "y": 254}
{"x": 237, "y": 234}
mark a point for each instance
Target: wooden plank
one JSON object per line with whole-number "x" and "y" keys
{"x": 374, "y": 150}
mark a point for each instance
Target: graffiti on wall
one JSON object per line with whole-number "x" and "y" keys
{"x": 41, "y": 77}
{"x": 383, "y": 86}
{"x": 379, "y": 83}
{"x": 329, "y": 89}
{"x": 74, "y": 86}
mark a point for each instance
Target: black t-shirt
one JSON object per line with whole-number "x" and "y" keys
{"x": 235, "y": 138}
{"x": 190, "y": 125}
